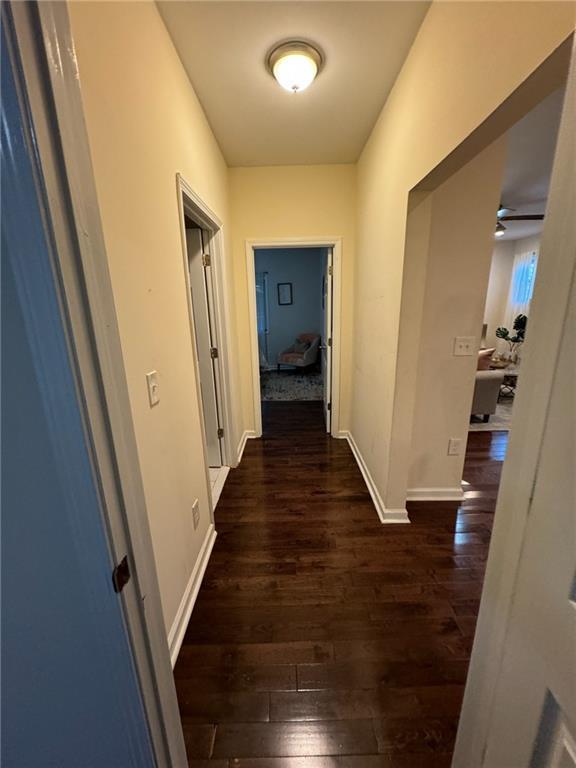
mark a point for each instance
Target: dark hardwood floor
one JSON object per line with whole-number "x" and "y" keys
{"x": 322, "y": 638}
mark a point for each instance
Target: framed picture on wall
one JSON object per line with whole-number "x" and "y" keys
{"x": 284, "y": 293}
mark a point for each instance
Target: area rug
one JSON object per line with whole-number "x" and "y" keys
{"x": 499, "y": 421}
{"x": 291, "y": 385}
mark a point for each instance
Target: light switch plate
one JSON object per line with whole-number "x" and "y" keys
{"x": 454, "y": 446}
{"x": 153, "y": 390}
{"x": 195, "y": 514}
{"x": 464, "y": 346}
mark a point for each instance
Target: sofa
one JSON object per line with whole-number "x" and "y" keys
{"x": 302, "y": 353}
{"x": 486, "y": 392}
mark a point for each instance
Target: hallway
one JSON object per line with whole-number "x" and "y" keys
{"x": 317, "y": 630}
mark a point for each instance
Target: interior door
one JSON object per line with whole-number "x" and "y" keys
{"x": 534, "y": 716}
{"x": 70, "y": 694}
{"x": 262, "y": 321}
{"x": 326, "y": 346}
{"x": 206, "y": 341}
{"x": 520, "y": 704}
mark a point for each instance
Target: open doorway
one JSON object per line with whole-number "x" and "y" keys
{"x": 294, "y": 294}
{"x": 291, "y": 308}
{"x": 514, "y": 265}
{"x": 204, "y": 270}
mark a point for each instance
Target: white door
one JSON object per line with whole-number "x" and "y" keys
{"x": 262, "y": 321}
{"x": 520, "y": 704}
{"x": 206, "y": 341}
{"x": 534, "y": 715}
{"x": 326, "y": 346}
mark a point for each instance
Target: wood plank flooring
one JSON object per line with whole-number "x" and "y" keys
{"x": 321, "y": 638}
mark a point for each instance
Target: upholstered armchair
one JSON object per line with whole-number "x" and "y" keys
{"x": 486, "y": 391}
{"x": 302, "y": 353}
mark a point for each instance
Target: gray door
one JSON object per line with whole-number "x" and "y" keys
{"x": 206, "y": 341}
{"x": 262, "y": 320}
{"x": 326, "y": 347}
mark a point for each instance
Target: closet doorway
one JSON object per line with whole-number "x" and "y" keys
{"x": 205, "y": 280}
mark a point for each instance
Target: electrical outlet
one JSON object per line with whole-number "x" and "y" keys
{"x": 195, "y": 514}
{"x": 454, "y": 446}
{"x": 465, "y": 346}
{"x": 153, "y": 389}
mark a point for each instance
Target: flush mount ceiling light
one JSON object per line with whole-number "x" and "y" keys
{"x": 295, "y": 64}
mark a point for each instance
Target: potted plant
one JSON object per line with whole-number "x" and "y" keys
{"x": 514, "y": 342}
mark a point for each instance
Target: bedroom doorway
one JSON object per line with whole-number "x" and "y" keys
{"x": 295, "y": 317}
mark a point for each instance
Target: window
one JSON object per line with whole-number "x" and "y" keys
{"x": 523, "y": 279}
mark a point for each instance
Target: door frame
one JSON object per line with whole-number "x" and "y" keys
{"x": 51, "y": 103}
{"x": 192, "y": 205}
{"x": 297, "y": 242}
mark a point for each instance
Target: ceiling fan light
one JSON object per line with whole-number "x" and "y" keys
{"x": 503, "y": 211}
{"x": 500, "y": 229}
{"x": 294, "y": 65}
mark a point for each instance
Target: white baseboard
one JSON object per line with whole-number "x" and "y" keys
{"x": 178, "y": 628}
{"x": 219, "y": 485}
{"x": 385, "y": 515}
{"x": 435, "y": 494}
{"x": 247, "y": 435}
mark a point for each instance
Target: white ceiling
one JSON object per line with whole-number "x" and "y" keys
{"x": 531, "y": 145}
{"x": 223, "y": 46}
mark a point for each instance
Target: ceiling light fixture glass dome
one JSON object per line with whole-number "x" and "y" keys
{"x": 295, "y": 65}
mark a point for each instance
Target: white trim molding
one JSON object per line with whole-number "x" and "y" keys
{"x": 435, "y": 494}
{"x": 297, "y": 242}
{"x": 218, "y": 486}
{"x": 385, "y": 515}
{"x": 249, "y": 434}
{"x": 180, "y": 623}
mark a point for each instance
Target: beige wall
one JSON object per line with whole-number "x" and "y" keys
{"x": 460, "y": 250}
{"x": 417, "y": 249}
{"x": 442, "y": 94}
{"x": 498, "y": 287}
{"x": 287, "y": 202}
{"x": 145, "y": 124}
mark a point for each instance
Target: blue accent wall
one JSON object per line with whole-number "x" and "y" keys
{"x": 304, "y": 268}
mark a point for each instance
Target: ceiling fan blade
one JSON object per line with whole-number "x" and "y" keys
{"x": 527, "y": 217}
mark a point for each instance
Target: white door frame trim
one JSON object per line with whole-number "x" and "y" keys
{"x": 297, "y": 242}
{"x": 191, "y": 203}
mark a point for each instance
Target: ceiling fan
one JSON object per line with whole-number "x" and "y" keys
{"x": 503, "y": 214}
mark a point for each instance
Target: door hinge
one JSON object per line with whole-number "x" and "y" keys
{"x": 329, "y": 407}
{"x": 205, "y": 259}
{"x": 329, "y": 342}
{"x": 121, "y": 575}
{"x": 220, "y": 432}
{"x": 213, "y": 352}
{"x": 330, "y": 269}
